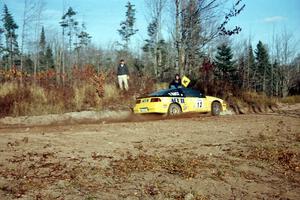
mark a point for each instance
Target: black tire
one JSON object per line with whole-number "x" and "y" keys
{"x": 216, "y": 108}
{"x": 174, "y": 109}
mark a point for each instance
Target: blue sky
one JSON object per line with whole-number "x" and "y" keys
{"x": 259, "y": 19}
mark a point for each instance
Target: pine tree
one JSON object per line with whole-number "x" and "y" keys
{"x": 84, "y": 40}
{"x": 276, "y": 77}
{"x": 42, "y": 49}
{"x": 150, "y": 43}
{"x": 68, "y": 22}
{"x": 127, "y": 27}
{"x": 263, "y": 67}
{"x": 49, "y": 61}
{"x": 1, "y": 44}
{"x": 150, "y": 48}
{"x": 224, "y": 63}
{"x": 10, "y": 28}
{"x": 84, "y": 37}
{"x": 251, "y": 68}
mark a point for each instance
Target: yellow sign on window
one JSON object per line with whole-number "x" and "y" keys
{"x": 185, "y": 81}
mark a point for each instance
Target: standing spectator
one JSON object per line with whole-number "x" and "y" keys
{"x": 123, "y": 75}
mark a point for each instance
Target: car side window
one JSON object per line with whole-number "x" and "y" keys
{"x": 193, "y": 93}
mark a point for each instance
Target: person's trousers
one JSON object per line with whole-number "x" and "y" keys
{"x": 123, "y": 79}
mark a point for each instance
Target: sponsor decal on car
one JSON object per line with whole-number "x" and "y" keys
{"x": 177, "y": 100}
{"x": 173, "y": 93}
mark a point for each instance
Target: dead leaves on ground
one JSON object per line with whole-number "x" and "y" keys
{"x": 184, "y": 167}
{"x": 33, "y": 171}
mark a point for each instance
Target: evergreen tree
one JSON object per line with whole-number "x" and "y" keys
{"x": 28, "y": 64}
{"x": 1, "y": 44}
{"x": 42, "y": 43}
{"x": 127, "y": 27}
{"x": 10, "y": 28}
{"x": 84, "y": 40}
{"x": 251, "y": 68}
{"x": 263, "y": 68}
{"x": 42, "y": 49}
{"x": 150, "y": 48}
{"x": 84, "y": 37}
{"x": 68, "y": 22}
{"x": 49, "y": 61}
{"x": 276, "y": 78}
{"x": 224, "y": 63}
{"x": 152, "y": 33}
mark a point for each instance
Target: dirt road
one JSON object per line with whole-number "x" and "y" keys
{"x": 255, "y": 156}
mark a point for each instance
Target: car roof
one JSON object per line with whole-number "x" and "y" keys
{"x": 180, "y": 90}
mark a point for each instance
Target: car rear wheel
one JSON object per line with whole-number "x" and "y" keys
{"x": 174, "y": 109}
{"x": 216, "y": 108}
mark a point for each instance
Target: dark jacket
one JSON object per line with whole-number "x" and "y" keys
{"x": 122, "y": 70}
{"x": 176, "y": 84}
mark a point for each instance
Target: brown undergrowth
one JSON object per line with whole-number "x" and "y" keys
{"x": 86, "y": 89}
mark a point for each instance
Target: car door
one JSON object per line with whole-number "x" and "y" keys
{"x": 196, "y": 100}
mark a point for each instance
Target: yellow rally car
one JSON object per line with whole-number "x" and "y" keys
{"x": 176, "y": 101}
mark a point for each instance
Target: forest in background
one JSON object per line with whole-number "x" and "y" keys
{"x": 43, "y": 72}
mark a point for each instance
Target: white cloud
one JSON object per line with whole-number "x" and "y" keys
{"x": 273, "y": 19}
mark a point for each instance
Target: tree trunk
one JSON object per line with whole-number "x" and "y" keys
{"x": 177, "y": 37}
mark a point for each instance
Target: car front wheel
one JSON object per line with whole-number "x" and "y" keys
{"x": 216, "y": 108}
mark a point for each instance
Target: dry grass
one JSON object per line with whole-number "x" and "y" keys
{"x": 111, "y": 92}
{"x": 254, "y": 98}
{"x": 7, "y": 87}
{"x": 86, "y": 91}
{"x": 83, "y": 89}
{"x": 291, "y": 99}
{"x": 251, "y": 102}
{"x": 33, "y": 99}
{"x": 85, "y": 97}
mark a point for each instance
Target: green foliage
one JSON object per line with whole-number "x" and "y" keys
{"x": 42, "y": 50}
{"x": 28, "y": 64}
{"x": 225, "y": 68}
{"x": 263, "y": 68}
{"x": 42, "y": 42}
{"x": 127, "y": 27}
{"x": 83, "y": 36}
{"x": 149, "y": 47}
{"x": 1, "y": 42}
{"x": 251, "y": 58}
{"x": 10, "y": 27}
{"x": 49, "y": 61}
{"x": 68, "y": 22}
